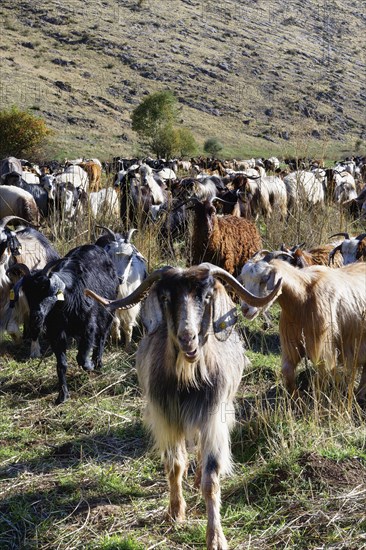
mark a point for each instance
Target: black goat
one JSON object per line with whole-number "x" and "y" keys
{"x": 56, "y": 300}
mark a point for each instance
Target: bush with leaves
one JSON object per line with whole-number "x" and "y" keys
{"x": 212, "y": 146}
{"x": 154, "y": 120}
{"x": 22, "y": 134}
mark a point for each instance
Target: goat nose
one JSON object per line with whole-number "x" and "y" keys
{"x": 187, "y": 337}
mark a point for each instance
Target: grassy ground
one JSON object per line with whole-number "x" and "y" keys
{"x": 84, "y": 475}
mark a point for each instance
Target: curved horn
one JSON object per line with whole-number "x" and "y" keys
{"x": 276, "y": 254}
{"x": 333, "y": 252}
{"x": 244, "y": 294}
{"x": 219, "y": 199}
{"x": 8, "y": 219}
{"x": 109, "y": 231}
{"x": 360, "y": 237}
{"x": 50, "y": 266}
{"x": 297, "y": 246}
{"x": 345, "y": 235}
{"x": 252, "y": 177}
{"x": 129, "y": 235}
{"x": 263, "y": 251}
{"x": 137, "y": 295}
{"x": 22, "y": 267}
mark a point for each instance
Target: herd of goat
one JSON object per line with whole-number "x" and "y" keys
{"x": 191, "y": 358}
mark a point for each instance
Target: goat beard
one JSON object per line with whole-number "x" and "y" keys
{"x": 191, "y": 373}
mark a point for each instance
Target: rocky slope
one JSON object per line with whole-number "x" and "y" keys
{"x": 259, "y": 74}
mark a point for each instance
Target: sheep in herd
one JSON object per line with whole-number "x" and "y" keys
{"x": 189, "y": 365}
{"x": 226, "y": 241}
{"x": 322, "y": 314}
{"x": 352, "y": 249}
{"x": 28, "y": 246}
{"x": 15, "y": 201}
{"x": 56, "y": 299}
{"x": 131, "y": 269}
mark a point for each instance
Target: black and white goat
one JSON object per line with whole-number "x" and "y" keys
{"x": 189, "y": 365}
{"x": 56, "y": 299}
{"x": 27, "y": 246}
{"x": 131, "y": 270}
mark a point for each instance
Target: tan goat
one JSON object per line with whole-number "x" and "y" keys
{"x": 323, "y": 314}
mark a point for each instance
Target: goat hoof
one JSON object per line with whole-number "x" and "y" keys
{"x": 177, "y": 515}
{"x": 87, "y": 365}
{"x": 216, "y": 540}
{"x": 61, "y": 398}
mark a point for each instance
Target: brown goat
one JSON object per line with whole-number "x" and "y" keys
{"x": 94, "y": 172}
{"x": 318, "y": 255}
{"x": 226, "y": 241}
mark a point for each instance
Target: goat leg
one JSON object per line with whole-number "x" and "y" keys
{"x": 60, "y": 352}
{"x": 215, "y": 538}
{"x": 84, "y": 351}
{"x": 175, "y": 466}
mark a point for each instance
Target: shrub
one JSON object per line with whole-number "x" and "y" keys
{"x": 22, "y": 134}
{"x": 212, "y": 146}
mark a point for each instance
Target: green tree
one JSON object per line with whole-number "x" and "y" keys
{"x": 187, "y": 143}
{"x": 155, "y": 121}
{"x": 157, "y": 110}
{"x": 22, "y": 134}
{"x": 212, "y": 146}
{"x": 165, "y": 142}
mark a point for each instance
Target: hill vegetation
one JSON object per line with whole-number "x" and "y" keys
{"x": 260, "y": 74}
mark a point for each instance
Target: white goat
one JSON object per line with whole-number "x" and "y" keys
{"x": 344, "y": 187}
{"x": 352, "y": 249}
{"x": 131, "y": 270}
{"x": 104, "y": 203}
{"x": 322, "y": 317}
{"x": 148, "y": 179}
{"x": 303, "y": 186}
{"x": 76, "y": 175}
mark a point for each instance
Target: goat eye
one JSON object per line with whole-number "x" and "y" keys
{"x": 208, "y": 298}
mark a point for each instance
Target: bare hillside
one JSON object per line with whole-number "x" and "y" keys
{"x": 260, "y": 74}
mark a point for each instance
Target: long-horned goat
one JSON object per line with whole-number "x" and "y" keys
{"x": 352, "y": 249}
{"x": 322, "y": 314}
{"x": 56, "y": 299}
{"x": 226, "y": 241}
{"x": 131, "y": 270}
{"x": 27, "y": 246}
{"x": 318, "y": 255}
{"x": 189, "y": 365}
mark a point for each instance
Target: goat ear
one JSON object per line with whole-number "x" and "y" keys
{"x": 57, "y": 283}
{"x": 151, "y": 314}
{"x": 224, "y": 314}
